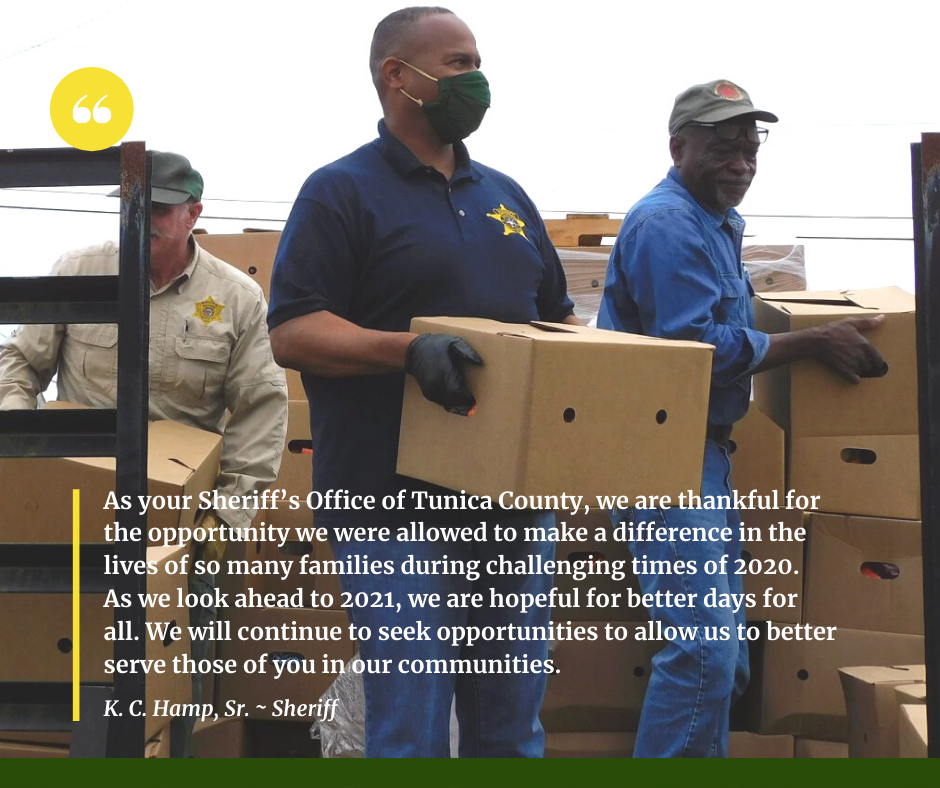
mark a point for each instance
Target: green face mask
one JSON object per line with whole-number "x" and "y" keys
{"x": 459, "y": 108}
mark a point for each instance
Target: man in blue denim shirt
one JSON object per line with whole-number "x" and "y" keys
{"x": 676, "y": 272}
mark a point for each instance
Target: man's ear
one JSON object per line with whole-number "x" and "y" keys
{"x": 391, "y": 73}
{"x": 195, "y": 210}
{"x": 676, "y": 146}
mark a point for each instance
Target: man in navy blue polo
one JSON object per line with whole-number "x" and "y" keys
{"x": 409, "y": 226}
{"x": 675, "y": 272}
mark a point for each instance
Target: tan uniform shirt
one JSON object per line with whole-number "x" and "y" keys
{"x": 209, "y": 353}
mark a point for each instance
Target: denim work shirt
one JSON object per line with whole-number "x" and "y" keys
{"x": 676, "y": 272}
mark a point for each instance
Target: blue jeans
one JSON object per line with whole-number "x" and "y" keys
{"x": 408, "y": 713}
{"x": 694, "y": 681}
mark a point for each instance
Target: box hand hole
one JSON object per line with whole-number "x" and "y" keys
{"x": 859, "y": 456}
{"x": 661, "y": 417}
{"x": 168, "y": 639}
{"x": 569, "y": 415}
{"x": 880, "y": 570}
{"x": 300, "y": 446}
{"x": 64, "y": 645}
{"x": 296, "y": 548}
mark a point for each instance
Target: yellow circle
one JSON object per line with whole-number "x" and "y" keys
{"x": 91, "y": 109}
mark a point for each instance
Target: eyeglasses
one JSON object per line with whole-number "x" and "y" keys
{"x": 732, "y": 131}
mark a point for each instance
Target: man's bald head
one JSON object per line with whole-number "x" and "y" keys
{"x": 391, "y": 35}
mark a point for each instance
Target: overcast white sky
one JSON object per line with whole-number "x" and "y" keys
{"x": 258, "y": 95}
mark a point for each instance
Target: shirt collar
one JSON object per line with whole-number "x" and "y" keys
{"x": 186, "y": 274}
{"x": 405, "y": 163}
{"x": 732, "y": 217}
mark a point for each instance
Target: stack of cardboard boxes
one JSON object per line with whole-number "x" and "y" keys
{"x": 855, "y": 447}
{"x": 36, "y": 608}
{"x": 259, "y": 734}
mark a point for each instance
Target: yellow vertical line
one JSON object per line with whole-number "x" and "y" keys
{"x": 76, "y": 605}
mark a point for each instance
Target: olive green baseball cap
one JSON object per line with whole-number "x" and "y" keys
{"x": 714, "y": 102}
{"x": 172, "y": 181}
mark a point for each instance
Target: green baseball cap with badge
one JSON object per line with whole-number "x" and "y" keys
{"x": 714, "y": 102}
{"x": 173, "y": 180}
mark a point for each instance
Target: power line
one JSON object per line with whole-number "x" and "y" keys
{"x": 67, "y": 32}
{"x": 282, "y": 221}
{"x": 102, "y": 194}
{"x": 116, "y": 213}
{"x": 581, "y": 213}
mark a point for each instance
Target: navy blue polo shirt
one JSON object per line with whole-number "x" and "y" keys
{"x": 378, "y": 238}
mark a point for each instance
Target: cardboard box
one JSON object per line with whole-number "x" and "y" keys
{"x": 600, "y": 684}
{"x": 589, "y": 745}
{"x": 847, "y": 557}
{"x": 800, "y": 689}
{"x": 808, "y": 399}
{"x": 872, "y": 707}
{"x": 327, "y": 586}
{"x": 43, "y": 649}
{"x": 783, "y": 557}
{"x": 775, "y": 268}
{"x": 813, "y": 748}
{"x": 592, "y": 553}
{"x": 36, "y": 493}
{"x": 225, "y": 737}
{"x": 585, "y": 270}
{"x": 252, "y": 252}
{"x": 758, "y": 458}
{"x": 620, "y": 745}
{"x": 910, "y": 693}
{"x": 912, "y": 731}
{"x": 23, "y": 750}
{"x": 872, "y": 475}
{"x": 159, "y": 745}
{"x": 555, "y": 404}
{"x": 296, "y": 473}
{"x": 742, "y": 744}
{"x": 253, "y": 552}
{"x": 259, "y": 691}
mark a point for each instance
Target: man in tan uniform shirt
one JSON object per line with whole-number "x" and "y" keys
{"x": 211, "y": 365}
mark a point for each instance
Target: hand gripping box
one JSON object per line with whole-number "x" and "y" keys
{"x": 563, "y": 409}
{"x": 808, "y": 399}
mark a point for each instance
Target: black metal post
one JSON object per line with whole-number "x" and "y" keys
{"x": 926, "y": 197}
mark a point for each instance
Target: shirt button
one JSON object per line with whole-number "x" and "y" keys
{"x": 462, "y": 212}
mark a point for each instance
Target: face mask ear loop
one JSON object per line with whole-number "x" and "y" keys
{"x": 415, "y": 68}
{"x": 417, "y": 101}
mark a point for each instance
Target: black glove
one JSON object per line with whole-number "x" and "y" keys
{"x": 436, "y": 361}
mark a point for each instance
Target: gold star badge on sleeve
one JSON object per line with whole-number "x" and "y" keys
{"x": 511, "y": 221}
{"x": 209, "y": 311}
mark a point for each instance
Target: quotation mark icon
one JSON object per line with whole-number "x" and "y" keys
{"x": 100, "y": 126}
{"x": 82, "y": 114}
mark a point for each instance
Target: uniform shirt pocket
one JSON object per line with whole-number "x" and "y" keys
{"x": 202, "y": 366}
{"x": 95, "y": 355}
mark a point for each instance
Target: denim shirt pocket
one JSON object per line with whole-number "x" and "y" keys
{"x": 735, "y": 310}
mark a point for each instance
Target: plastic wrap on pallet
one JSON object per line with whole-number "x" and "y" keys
{"x": 585, "y": 269}
{"x": 775, "y": 268}
{"x": 344, "y": 736}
